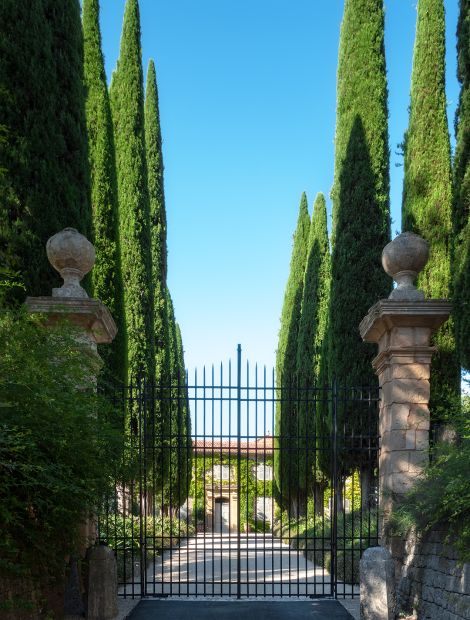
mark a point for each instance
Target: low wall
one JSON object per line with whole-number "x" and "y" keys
{"x": 432, "y": 582}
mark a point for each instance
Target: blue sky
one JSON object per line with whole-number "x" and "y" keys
{"x": 247, "y": 105}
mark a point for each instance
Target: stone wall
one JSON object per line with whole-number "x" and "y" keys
{"x": 432, "y": 583}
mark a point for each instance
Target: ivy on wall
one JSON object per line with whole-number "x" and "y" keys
{"x": 250, "y": 488}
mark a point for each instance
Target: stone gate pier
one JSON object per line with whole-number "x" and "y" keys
{"x": 402, "y": 327}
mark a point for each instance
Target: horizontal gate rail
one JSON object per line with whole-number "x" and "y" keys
{"x": 215, "y": 497}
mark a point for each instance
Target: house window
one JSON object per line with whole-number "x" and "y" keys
{"x": 264, "y": 509}
{"x": 263, "y": 472}
{"x": 221, "y": 472}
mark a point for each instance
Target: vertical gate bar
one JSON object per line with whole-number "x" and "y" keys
{"x": 255, "y": 475}
{"x": 221, "y": 406}
{"x": 179, "y": 439}
{"x": 264, "y": 488}
{"x": 213, "y": 469}
{"x": 198, "y": 508}
{"x": 142, "y": 432}
{"x": 246, "y": 516}
{"x": 204, "y": 473}
{"x": 229, "y": 437}
{"x": 155, "y": 397}
{"x": 334, "y": 521}
{"x": 239, "y": 412}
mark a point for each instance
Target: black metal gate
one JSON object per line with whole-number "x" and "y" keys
{"x": 233, "y": 486}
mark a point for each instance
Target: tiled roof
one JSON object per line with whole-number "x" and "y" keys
{"x": 252, "y": 448}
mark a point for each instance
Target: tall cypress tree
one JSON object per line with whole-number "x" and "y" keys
{"x": 427, "y": 191}
{"x": 183, "y": 424}
{"x": 361, "y": 221}
{"x": 461, "y": 211}
{"x": 310, "y": 353}
{"x": 44, "y": 154}
{"x": 127, "y": 106}
{"x": 177, "y": 425}
{"x": 153, "y": 142}
{"x": 106, "y": 275}
{"x": 290, "y": 495}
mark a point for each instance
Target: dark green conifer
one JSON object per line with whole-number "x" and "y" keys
{"x": 127, "y": 106}
{"x": 427, "y": 191}
{"x": 106, "y": 274}
{"x": 44, "y": 152}
{"x": 286, "y": 449}
{"x": 311, "y": 354}
{"x": 361, "y": 221}
{"x": 461, "y": 211}
{"x": 153, "y": 142}
{"x": 183, "y": 425}
{"x": 177, "y": 425}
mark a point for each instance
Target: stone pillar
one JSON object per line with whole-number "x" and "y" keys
{"x": 402, "y": 326}
{"x": 73, "y": 256}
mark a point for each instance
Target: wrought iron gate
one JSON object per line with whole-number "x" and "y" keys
{"x": 233, "y": 486}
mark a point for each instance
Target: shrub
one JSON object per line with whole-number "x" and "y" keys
{"x": 442, "y": 495}
{"x": 56, "y": 446}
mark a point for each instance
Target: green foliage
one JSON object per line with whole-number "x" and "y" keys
{"x": 313, "y": 536}
{"x": 153, "y": 142}
{"x": 250, "y": 488}
{"x": 461, "y": 210}
{"x": 106, "y": 275}
{"x": 361, "y": 221}
{"x": 286, "y": 420}
{"x": 183, "y": 424}
{"x": 176, "y": 426}
{"x": 57, "y": 448}
{"x": 163, "y": 326}
{"x": 43, "y": 151}
{"x": 159, "y": 533}
{"x": 127, "y": 106}
{"x": 310, "y": 347}
{"x": 427, "y": 190}
{"x": 441, "y": 497}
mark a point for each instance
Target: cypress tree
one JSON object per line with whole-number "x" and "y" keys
{"x": 153, "y": 142}
{"x": 183, "y": 425}
{"x": 106, "y": 274}
{"x": 461, "y": 211}
{"x": 127, "y": 106}
{"x": 44, "y": 152}
{"x": 361, "y": 221}
{"x": 286, "y": 456}
{"x": 427, "y": 191}
{"x": 177, "y": 425}
{"x": 310, "y": 353}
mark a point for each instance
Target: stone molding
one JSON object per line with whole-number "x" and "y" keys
{"x": 387, "y": 314}
{"x": 91, "y": 315}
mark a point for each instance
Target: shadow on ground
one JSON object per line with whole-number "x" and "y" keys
{"x": 261, "y": 610}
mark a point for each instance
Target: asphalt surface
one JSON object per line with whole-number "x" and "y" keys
{"x": 239, "y": 610}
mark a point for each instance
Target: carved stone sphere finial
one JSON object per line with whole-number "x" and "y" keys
{"x": 73, "y": 256}
{"x": 403, "y": 258}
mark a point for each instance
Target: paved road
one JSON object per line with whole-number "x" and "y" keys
{"x": 239, "y": 610}
{"x": 208, "y": 565}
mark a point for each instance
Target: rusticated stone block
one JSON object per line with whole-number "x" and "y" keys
{"x": 410, "y": 371}
{"x": 419, "y": 417}
{"x": 102, "y": 584}
{"x": 407, "y": 391}
{"x": 377, "y": 576}
{"x": 399, "y": 413}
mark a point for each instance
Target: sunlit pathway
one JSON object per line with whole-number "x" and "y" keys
{"x": 222, "y": 565}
